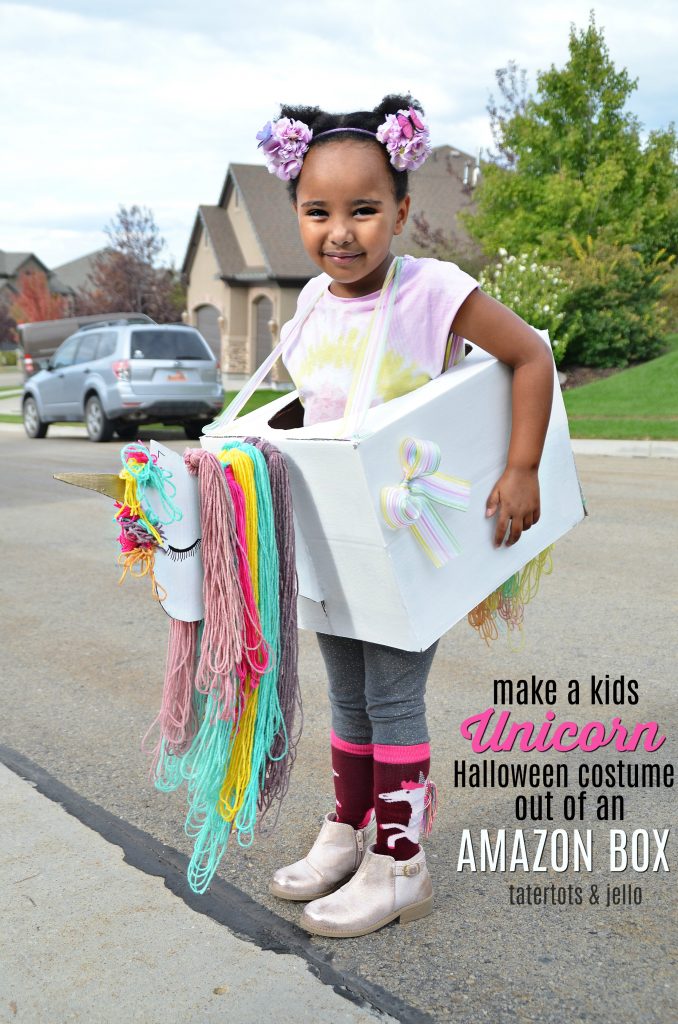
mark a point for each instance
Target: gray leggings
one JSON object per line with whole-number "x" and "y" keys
{"x": 376, "y": 692}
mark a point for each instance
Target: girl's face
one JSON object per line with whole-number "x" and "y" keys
{"x": 348, "y": 214}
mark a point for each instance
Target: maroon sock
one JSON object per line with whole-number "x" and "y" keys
{"x": 353, "y": 788}
{"x": 400, "y": 770}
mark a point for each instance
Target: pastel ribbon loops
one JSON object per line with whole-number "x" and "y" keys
{"x": 412, "y": 503}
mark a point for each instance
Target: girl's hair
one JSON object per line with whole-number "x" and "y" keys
{"x": 369, "y": 120}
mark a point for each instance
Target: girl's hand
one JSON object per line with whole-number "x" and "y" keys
{"x": 516, "y": 497}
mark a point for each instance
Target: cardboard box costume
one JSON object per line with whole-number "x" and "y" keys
{"x": 358, "y": 576}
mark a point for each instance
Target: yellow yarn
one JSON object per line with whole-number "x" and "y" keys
{"x": 507, "y": 602}
{"x": 243, "y": 471}
{"x": 237, "y": 778}
{"x": 131, "y": 500}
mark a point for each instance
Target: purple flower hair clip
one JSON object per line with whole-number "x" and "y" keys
{"x": 284, "y": 143}
{"x": 406, "y": 138}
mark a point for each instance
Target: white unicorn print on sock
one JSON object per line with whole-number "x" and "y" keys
{"x": 415, "y": 795}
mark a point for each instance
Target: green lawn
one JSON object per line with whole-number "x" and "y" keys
{"x": 639, "y": 403}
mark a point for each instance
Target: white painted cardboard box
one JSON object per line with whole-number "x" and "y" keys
{"x": 359, "y": 578}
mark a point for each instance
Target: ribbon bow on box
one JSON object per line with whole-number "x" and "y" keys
{"x": 411, "y": 503}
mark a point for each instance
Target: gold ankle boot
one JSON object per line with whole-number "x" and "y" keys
{"x": 335, "y": 855}
{"x": 381, "y": 890}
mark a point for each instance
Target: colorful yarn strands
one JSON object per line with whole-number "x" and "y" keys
{"x": 231, "y": 693}
{"x": 140, "y": 524}
{"x": 503, "y": 609}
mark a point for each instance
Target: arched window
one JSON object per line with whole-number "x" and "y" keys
{"x": 207, "y": 322}
{"x": 263, "y": 313}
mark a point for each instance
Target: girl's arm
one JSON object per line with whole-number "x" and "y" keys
{"x": 503, "y": 334}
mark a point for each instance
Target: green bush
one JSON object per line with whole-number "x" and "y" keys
{"x": 534, "y": 290}
{"x": 669, "y": 298}
{"x": 613, "y": 312}
{"x": 7, "y": 357}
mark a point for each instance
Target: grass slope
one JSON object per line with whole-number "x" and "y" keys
{"x": 639, "y": 403}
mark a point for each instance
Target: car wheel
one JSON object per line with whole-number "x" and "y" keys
{"x": 33, "y": 425}
{"x": 99, "y": 427}
{"x": 193, "y": 429}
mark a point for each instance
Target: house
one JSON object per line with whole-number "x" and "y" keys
{"x": 245, "y": 264}
{"x": 74, "y": 275}
{"x": 14, "y": 264}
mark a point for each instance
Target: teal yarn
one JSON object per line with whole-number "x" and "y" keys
{"x": 269, "y": 720}
{"x": 148, "y": 474}
{"x": 206, "y": 759}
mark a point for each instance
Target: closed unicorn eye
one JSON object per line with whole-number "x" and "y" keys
{"x": 179, "y": 554}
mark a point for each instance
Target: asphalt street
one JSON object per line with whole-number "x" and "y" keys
{"x": 81, "y": 664}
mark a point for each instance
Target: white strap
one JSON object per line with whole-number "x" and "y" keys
{"x": 248, "y": 389}
{"x": 364, "y": 383}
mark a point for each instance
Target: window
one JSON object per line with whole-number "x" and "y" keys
{"x": 168, "y": 344}
{"x": 87, "y": 347}
{"x": 107, "y": 340}
{"x": 65, "y": 354}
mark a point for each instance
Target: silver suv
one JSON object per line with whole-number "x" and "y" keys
{"x": 118, "y": 375}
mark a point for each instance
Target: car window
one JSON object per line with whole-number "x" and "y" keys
{"x": 168, "y": 344}
{"x": 106, "y": 347}
{"x": 87, "y": 347}
{"x": 65, "y": 354}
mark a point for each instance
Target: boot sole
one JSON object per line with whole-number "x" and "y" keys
{"x": 284, "y": 894}
{"x": 407, "y": 914}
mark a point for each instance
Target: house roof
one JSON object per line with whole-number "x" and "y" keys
{"x": 12, "y": 262}
{"x": 216, "y": 223}
{"x": 74, "y": 274}
{"x": 273, "y": 219}
{"x": 438, "y": 192}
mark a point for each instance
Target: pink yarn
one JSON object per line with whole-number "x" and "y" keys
{"x": 221, "y": 648}
{"x": 176, "y": 718}
{"x": 255, "y": 658}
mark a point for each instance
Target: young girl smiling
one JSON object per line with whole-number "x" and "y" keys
{"x": 348, "y": 180}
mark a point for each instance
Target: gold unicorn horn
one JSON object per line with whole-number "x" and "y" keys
{"x": 103, "y": 483}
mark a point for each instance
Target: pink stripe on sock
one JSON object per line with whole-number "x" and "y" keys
{"x": 359, "y": 749}
{"x": 388, "y": 754}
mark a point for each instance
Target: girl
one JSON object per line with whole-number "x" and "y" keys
{"x": 347, "y": 176}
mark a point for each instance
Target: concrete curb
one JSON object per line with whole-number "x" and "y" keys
{"x": 627, "y": 449}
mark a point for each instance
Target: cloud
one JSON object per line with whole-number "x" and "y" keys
{"x": 122, "y": 103}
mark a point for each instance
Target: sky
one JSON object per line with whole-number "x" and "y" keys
{"x": 108, "y": 104}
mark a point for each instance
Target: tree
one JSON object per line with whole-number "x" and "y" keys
{"x": 577, "y": 166}
{"x": 512, "y": 83}
{"x": 8, "y": 337}
{"x": 125, "y": 275}
{"x": 35, "y": 301}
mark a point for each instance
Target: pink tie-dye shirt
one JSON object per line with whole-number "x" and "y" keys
{"x": 322, "y": 360}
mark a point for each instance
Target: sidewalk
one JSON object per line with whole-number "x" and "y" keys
{"x": 87, "y": 937}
